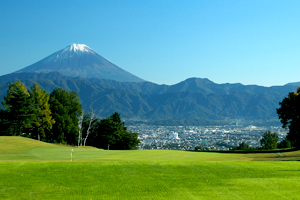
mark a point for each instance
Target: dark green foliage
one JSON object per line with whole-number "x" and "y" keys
{"x": 199, "y": 148}
{"x": 113, "y": 132}
{"x": 284, "y": 144}
{"x": 242, "y": 146}
{"x": 18, "y": 109}
{"x": 42, "y": 120}
{"x": 269, "y": 140}
{"x": 65, "y": 108}
{"x": 289, "y": 115}
{"x": 29, "y": 114}
{"x": 5, "y": 124}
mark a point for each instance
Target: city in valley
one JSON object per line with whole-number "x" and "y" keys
{"x": 209, "y": 137}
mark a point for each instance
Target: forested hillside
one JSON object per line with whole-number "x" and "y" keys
{"x": 194, "y": 99}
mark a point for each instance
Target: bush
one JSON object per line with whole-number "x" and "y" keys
{"x": 269, "y": 140}
{"x": 284, "y": 144}
{"x": 199, "y": 148}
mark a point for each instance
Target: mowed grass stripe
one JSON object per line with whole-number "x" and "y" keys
{"x": 150, "y": 180}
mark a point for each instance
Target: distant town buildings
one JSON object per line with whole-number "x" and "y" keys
{"x": 212, "y": 137}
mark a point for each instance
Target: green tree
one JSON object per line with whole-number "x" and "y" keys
{"x": 284, "y": 144}
{"x": 113, "y": 132}
{"x": 289, "y": 115}
{"x": 199, "y": 148}
{"x": 269, "y": 140}
{"x": 65, "y": 108}
{"x": 5, "y": 124}
{"x": 243, "y": 146}
{"x": 18, "y": 111}
{"x": 42, "y": 121}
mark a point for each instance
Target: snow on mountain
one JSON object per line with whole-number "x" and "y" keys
{"x": 80, "y": 60}
{"x": 70, "y": 51}
{"x": 79, "y": 47}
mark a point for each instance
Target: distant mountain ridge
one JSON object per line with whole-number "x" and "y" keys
{"x": 194, "y": 98}
{"x": 80, "y": 60}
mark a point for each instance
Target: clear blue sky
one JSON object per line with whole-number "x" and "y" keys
{"x": 165, "y": 41}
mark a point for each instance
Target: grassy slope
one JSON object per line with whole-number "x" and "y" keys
{"x": 141, "y": 174}
{"x": 25, "y": 149}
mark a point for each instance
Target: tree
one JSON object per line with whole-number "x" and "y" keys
{"x": 113, "y": 132}
{"x": 242, "y": 146}
{"x": 5, "y": 124}
{"x": 18, "y": 111}
{"x": 284, "y": 144}
{"x": 289, "y": 115}
{"x": 85, "y": 125}
{"x": 42, "y": 120}
{"x": 90, "y": 119}
{"x": 269, "y": 140}
{"x": 65, "y": 108}
{"x": 199, "y": 148}
{"x": 80, "y": 130}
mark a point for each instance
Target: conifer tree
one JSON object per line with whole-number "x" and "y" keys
{"x": 113, "y": 132}
{"x": 66, "y": 108}
{"x": 42, "y": 118}
{"x": 17, "y": 107}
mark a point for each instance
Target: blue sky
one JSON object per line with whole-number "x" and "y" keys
{"x": 166, "y": 41}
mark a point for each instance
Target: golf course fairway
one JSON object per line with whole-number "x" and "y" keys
{"x": 31, "y": 169}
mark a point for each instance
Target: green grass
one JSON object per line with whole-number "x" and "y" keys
{"x": 37, "y": 170}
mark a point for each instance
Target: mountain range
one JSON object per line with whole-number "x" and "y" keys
{"x": 192, "y": 99}
{"x": 191, "y": 102}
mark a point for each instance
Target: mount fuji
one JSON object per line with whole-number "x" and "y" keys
{"x": 80, "y": 60}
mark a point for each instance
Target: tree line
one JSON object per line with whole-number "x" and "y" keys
{"x": 268, "y": 141}
{"x": 58, "y": 118}
{"x": 289, "y": 115}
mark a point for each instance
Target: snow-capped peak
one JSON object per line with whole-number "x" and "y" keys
{"x": 78, "y": 47}
{"x": 70, "y": 51}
